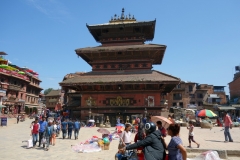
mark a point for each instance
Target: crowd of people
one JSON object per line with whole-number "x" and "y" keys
{"x": 150, "y": 142}
{"x": 44, "y": 131}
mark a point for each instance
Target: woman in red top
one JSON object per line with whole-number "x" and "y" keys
{"x": 140, "y": 136}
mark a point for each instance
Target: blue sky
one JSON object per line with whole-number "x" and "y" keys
{"x": 202, "y": 36}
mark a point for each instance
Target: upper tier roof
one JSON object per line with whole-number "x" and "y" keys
{"x": 152, "y": 52}
{"x": 123, "y": 28}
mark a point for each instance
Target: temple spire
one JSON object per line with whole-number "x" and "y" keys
{"x": 122, "y": 16}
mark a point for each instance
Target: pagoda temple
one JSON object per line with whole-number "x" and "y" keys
{"x": 122, "y": 82}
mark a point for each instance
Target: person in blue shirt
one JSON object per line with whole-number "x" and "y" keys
{"x": 70, "y": 128}
{"x": 43, "y": 125}
{"x": 48, "y": 134}
{"x": 77, "y": 127}
{"x": 64, "y": 127}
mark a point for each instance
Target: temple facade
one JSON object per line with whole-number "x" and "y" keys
{"x": 122, "y": 82}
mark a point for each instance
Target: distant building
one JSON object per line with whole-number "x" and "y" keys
{"x": 19, "y": 86}
{"x": 190, "y": 93}
{"x": 234, "y": 86}
{"x": 54, "y": 100}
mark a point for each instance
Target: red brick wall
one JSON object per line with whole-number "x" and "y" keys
{"x": 234, "y": 88}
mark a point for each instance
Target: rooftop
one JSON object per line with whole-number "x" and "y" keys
{"x": 120, "y": 77}
{"x": 54, "y": 93}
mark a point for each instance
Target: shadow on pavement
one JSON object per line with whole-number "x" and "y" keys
{"x": 221, "y": 141}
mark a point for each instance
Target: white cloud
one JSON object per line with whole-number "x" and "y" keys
{"x": 51, "y": 8}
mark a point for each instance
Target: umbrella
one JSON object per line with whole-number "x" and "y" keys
{"x": 120, "y": 128}
{"x": 206, "y": 113}
{"x": 21, "y": 72}
{"x": 103, "y": 131}
{"x": 165, "y": 121}
{"x": 120, "y": 124}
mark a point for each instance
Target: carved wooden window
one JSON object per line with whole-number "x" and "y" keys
{"x": 129, "y": 87}
{"x": 149, "y": 86}
{"x": 105, "y": 66}
{"x": 136, "y": 65}
{"x": 108, "y": 87}
{"x": 113, "y": 66}
{"x": 89, "y": 87}
{"x": 137, "y": 86}
{"x": 101, "y": 87}
{"x": 97, "y": 66}
{"x": 144, "y": 65}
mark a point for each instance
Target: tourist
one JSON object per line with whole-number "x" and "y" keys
{"x": 138, "y": 137}
{"x": 227, "y": 124}
{"x": 48, "y": 134}
{"x": 118, "y": 120}
{"x": 175, "y": 148}
{"x": 18, "y": 117}
{"x": 64, "y": 127}
{"x": 126, "y": 135}
{"x": 152, "y": 144}
{"x": 35, "y": 131}
{"x": 43, "y": 125}
{"x": 58, "y": 128}
{"x": 70, "y": 128}
{"x": 161, "y": 129}
{"x": 77, "y": 127}
{"x": 191, "y": 135}
{"x": 144, "y": 120}
{"x": 53, "y": 138}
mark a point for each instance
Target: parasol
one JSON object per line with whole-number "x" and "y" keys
{"x": 120, "y": 124}
{"x": 120, "y": 128}
{"x": 206, "y": 113}
{"x": 165, "y": 121}
{"x": 21, "y": 72}
{"x": 103, "y": 131}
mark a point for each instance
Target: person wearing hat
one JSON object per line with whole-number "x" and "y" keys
{"x": 152, "y": 144}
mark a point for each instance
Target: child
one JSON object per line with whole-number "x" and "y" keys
{"x": 191, "y": 134}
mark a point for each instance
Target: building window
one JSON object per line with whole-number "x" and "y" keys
{"x": 181, "y": 104}
{"x": 2, "y": 79}
{"x": 105, "y": 66}
{"x": 190, "y": 88}
{"x": 199, "y": 95}
{"x": 112, "y": 66}
{"x": 97, "y": 66}
{"x": 136, "y": 65}
{"x": 178, "y": 86}
{"x": 191, "y": 95}
{"x": 200, "y": 103}
{"x": 174, "y": 104}
{"x": 177, "y": 96}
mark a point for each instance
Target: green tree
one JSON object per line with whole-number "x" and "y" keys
{"x": 46, "y": 91}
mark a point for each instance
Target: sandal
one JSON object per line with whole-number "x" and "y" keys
{"x": 198, "y": 145}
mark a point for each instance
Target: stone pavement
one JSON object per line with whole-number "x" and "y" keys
{"x": 12, "y": 147}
